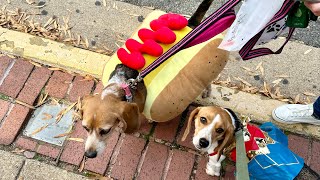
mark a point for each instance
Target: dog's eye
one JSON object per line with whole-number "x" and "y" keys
{"x": 86, "y": 128}
{"x": 219, "y": 130}
{"x": 104, "y": 131}
{"x": 203, "y": 120}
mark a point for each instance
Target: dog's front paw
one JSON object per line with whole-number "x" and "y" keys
{"x": 212, "y": 171}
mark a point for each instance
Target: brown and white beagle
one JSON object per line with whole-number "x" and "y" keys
{"x": 112, "y": 109}
{"x": 214, "y": 131}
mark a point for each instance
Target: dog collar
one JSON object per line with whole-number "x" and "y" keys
{"x": 127, "y": 91}
{"x": 214, "y": 153}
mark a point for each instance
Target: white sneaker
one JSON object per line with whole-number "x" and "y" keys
{"x": 295, "y": 113}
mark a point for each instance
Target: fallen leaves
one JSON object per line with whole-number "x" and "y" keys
{"x": 309, "y": 94}
{"x": 76, "y": 139}
{"x": 307, "y": 51}
{"x": 63, "y": 112}
{"x": 46, "y": 116}
{"x": 24, "y": 104}
{"x": 53, "y": 29}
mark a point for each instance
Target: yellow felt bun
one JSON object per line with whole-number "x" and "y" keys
{"x": 179, "y": 80}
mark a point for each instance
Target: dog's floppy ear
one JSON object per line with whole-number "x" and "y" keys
{"x": 191, "y": 117}
{"x": 228, "y": 139}
{"x": 129, "y": 117}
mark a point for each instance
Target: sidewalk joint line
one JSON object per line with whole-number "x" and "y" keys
{"x": 141, "y": 160}
{"x": 24, "y": 83}
{"x": 6, "y": 73}
{"x": 19, "y": 171}
{"x": 7, "y": 113}
{"x": 167, "y": 165}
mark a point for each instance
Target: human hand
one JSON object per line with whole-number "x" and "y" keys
{"x": 313, "y": 6}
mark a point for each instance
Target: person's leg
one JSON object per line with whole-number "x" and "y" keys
{"x": 298, "y": 113}
{"x": 316, "y": 108}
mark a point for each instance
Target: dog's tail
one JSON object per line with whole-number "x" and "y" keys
{"x": 197, "y": 17}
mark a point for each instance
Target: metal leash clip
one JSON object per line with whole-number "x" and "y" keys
{"x": 133, "y": 83}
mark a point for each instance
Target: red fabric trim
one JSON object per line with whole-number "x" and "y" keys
{"x": 212, "y": 154}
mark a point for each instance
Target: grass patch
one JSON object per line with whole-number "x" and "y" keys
{"x": 4, "y": 97}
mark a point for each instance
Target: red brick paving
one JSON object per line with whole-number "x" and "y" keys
{"x": 58, "y": 84}
{"x": 230, "y": 171}
{"x": 48, "y": 150}
{"x": 128, "y": 157}
{"x": 4, "y": 106}
{"x": 18, "y": 75}
{"x": 100, "y": 163}
{"x": 34, "y": 84}
{"x": 154, "y": 161}
{"x": 73, "y": 151}
{"x": 315, "y": 160}
{"x": 80, "y": 88}
{"x": 4, "y": 63}
{"x": 299, "y": 145}
{"x": 12, "y": 124}
{"x": 181, "y": 165}
{"x": 26, "y": 143}
{"x": 99, "y": 88}
{"x": 167, "y": 130}
{"x": 201, "y": 170}
{"x": 145, "y": 126}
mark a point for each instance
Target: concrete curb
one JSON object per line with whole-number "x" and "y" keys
{"x": 52, "y": 53}
{"x": 257, "y": 106}
{"x": 82, "y": 61}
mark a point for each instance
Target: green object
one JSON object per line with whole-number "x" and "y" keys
{"x": 299, "y": 16}
{"x": 242, "y": 160}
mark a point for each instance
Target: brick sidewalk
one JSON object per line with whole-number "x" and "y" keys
{"x": 155, "y": 151}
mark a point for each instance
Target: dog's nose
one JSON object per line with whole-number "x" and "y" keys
{"x": 91, "y": 154}
{"x": 203, "y": 143}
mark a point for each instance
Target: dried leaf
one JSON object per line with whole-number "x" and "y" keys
{"x": 282, "y": 76}
{"x": 76, "y": 139}
{"x": 54, "y": 69}
{"x": 261, "y": 70}
{"x": 11, "y": 56}
{"x": 87, "y": 43}
{"x": 39, "y": 129}
{"x": 61, "y": 135}
{"x": 244, "y": 82}
{"x": 307, "y": 51}
{"x": 296, "y": 99}
{"x": 245, "y": 68}
{"x": 309, "y": 94}
{"x": 30, "y": 1}
{"x": 24, "y": 104}
{"x": 82, "y": 164}
{"x": 35, "y": 64}
{"x": 47, "y": 116}
{"x": 63, "y": 112}
{"x": 17, "y": 150}
{"x": 308, "y": 100}
{"x": 104, "y": 3}
{"x": 258, "y": 66}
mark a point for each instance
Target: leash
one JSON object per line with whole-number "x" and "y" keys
{"x": 202, "y": 27}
